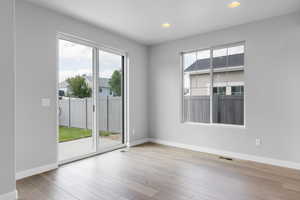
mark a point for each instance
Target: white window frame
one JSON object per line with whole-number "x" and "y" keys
{"x": 211, "y": 123}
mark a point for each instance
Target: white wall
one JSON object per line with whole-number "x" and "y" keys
{"x": 36, "y": 78}
{"x": 7, "y": 151}
{"x": 272, "y": 80}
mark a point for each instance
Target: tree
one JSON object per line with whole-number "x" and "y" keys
{"x": 115, "y": 83}
{"x": 78, "y": 87}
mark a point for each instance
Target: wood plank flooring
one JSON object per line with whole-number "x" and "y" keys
{"x": 156, "y": 172}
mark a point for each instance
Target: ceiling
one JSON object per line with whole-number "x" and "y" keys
{"x": 141, "y": 19}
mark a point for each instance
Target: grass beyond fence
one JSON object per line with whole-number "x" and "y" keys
{"x": 68, "y": 134}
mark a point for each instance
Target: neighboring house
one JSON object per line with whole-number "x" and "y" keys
{"x": 63, "y": 88}
{"x": 228, "y": 72}
{"x": 104, "y": 88}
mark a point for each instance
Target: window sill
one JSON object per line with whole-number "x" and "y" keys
{"x": 215, "y": 125}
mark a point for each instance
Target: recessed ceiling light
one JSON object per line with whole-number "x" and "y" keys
{"x": 166, "y": 25}
{"x": 234, "y": 4}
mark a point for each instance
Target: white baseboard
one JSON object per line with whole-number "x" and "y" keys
{"x": 38, "y": 170}
{"x": 259, "y": 159}
{"x": 35, "y": 171}
{"x": 9, "y": 196}
{"x": 270, "y": 161}
{"x": 138, "y": 142}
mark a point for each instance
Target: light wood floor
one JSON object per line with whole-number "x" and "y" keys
{"x": 156, "y": 172}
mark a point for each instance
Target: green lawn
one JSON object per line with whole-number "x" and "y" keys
{"x": 67, "y": 134}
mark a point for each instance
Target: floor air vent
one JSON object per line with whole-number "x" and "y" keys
{"x": 225, "y": 158}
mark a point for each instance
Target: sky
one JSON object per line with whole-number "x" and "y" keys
{"x": 76, "y": 59}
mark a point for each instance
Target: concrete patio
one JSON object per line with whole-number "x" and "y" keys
{"x": 80, "y": 147}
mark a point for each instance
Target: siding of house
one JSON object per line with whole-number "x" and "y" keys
{"x": 200, "y": 83}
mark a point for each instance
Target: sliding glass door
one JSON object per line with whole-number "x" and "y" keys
{"x": 76, "y": 133}
{"x": 90, "y": 99}
{"x": 110, "y": 100}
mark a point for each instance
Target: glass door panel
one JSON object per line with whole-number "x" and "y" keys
{"x": 75, "y": 89}
{"x": 110, "y": 100}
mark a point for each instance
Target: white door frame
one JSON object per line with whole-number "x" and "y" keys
{"x": 125, "y": 97}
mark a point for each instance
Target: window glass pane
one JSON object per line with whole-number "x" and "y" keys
{"x": 220, "y": 58}
{"x": 196, "y": 80}
{"x": 75, "y": 106}
{"x": 189, "y": 59}
{"x": 196, "y": 107}
{"x": 236, "y": 56}
{"x": 236, "y": 50}
{"x": 220, "y": 52}
{"x": 203, "y": 54}
{"x": 203, "y": 62}
{"x": 228, "y": 96}
{"x": 110, "y": 101}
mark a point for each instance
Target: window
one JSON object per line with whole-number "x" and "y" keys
{"x": 237, "y": 90}
{"x": 219, "y": 90}
{"x": 220, "y": 70}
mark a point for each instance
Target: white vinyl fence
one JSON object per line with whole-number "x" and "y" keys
{"x": 78, "y": 113}
{"x": 226, "y": 109}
